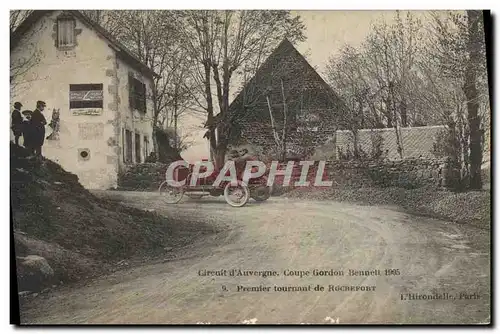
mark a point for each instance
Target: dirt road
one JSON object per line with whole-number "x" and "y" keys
{"x": 428, "y": 258}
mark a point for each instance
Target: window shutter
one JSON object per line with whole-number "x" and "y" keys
{"x": 131, "y": 92}
{"x": 144, "y": 98}
{"x": 138, "y": 98}
{"x": 137, "y": 94}
{"x": 65, "y": 32}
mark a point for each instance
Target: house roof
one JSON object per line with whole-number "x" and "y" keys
{"x": 120, "y": 49}
{"x": 284, "y": 46}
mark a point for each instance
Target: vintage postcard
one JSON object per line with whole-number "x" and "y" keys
{"x": 250, "y": 167}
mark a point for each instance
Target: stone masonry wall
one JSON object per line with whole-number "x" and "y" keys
{"x": 142, "y": 177}
{"x": 411, "y": 173}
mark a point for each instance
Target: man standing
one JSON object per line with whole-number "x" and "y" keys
{"x": 17, "y": 122}
{"x": 28, "y": 131}
{"x": 38, "y": 123}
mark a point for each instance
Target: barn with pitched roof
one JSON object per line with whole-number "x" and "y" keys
{"x": 285, "y": 82}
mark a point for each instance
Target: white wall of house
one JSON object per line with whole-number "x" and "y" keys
{"x": 91, "y": 61}
{"x": 136, "y": 122}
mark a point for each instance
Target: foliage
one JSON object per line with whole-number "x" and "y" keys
{"x": 16, "y": 17}
{"x": 152, "y": 36}
{"x": 224, "y": 46}
{"x": 30, "y": 57}
{"x": 456, "y": 72}
{"x": 376, "y": 152}
{"x": 407, "y": 73}
{"x": 170, "y": 144}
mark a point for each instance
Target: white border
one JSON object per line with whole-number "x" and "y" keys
{"x": 188, "y": 4}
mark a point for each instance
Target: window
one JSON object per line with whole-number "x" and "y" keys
{"x": 138, "y": 148}
{"x": 128, "y": 146}
{"x": 85, "y": 96}
{"x": 65, "y": 32}
{"x": 124, "y": 152}
{"x": 137, "y": 94}
{"x": 146, "y": 146}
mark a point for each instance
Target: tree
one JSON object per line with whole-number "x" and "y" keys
{"x": 390, "y": 53}
{"x": 474, "y": 46}
{"x": 456, "y": 70}
{"x": 179, "y": 95}
{"x": 17, "y": 17}
{"x": 344, "y": 74}
{"x": 31, "y": 54}
{"x": 151, "y": 36}
{"x": 177, "y": 141}
{"x": 226, "y": 44}
{"x": 379, "y": 80}
{"x": 165, "y": 153}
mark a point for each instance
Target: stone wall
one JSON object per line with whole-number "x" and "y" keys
{"x": 300, "y": 142}
{"x": 142, "y": 177}
{"x": 410, "y": 173}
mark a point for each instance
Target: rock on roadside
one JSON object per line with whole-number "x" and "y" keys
{"x": 34, "y": 273}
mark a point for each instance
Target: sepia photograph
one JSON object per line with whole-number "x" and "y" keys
{"x": 250, "y": 167}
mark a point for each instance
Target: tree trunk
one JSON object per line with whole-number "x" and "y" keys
{"x": 156, "y": 147}
{"x": 176, "y": 144}
{"x": 285, "y": 121}
{"x": 220, "y": 155}
{"x": 470, "y": 90}
{"x": 453, "y": 150}
{"x": 388, "y": 113}
{"x": 224, "y": 128}
{"x": 357, "y": 121}
{"x": 404, "y": 114}
{"x": 399, "y": 139}
{"x": 397, "y": 127}
{"x": 355, "y": 141}
{"x": 155, "y": 121}
{"x": 210, "y": 110}
{"x": 277, "y": 139}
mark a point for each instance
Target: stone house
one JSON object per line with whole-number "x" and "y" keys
{"x": 285, "y": 81}
{"x": 98, "y": 89}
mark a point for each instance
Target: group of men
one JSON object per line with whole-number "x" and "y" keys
{"x": 31, "y": 127}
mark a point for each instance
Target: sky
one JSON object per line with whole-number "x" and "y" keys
{"x": 327, "y": 32}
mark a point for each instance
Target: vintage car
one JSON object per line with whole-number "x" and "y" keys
{"x": 236, "y": 195}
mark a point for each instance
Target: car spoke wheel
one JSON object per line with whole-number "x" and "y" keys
{"x": 237, "y": 195}
{"x": 170, "y": 194}
{"x": 261, "y": 193}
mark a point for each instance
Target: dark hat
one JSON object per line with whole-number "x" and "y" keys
{"x": 40, "y": 103}
{"x": 18, "y": 105}
{"x": 26, "y": 112}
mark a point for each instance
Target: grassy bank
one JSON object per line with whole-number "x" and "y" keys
{"x": 79, "y": 234}
{"x": 472, "y": 207}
